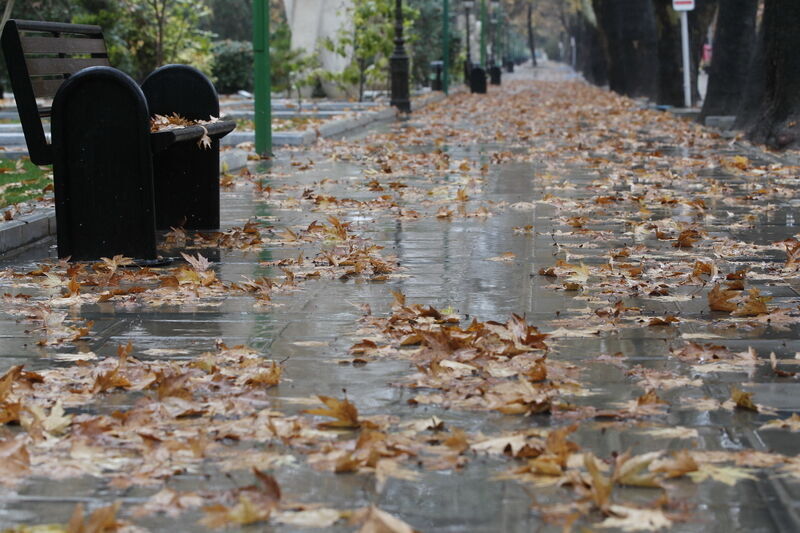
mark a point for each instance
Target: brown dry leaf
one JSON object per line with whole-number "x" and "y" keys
{"x": 687, "y": 238}
{"x": 650, "y": 398}
{"x": 8, "y": 379}
{"x": 743, "y": 400}
{"x": 390, "y": 468}
{"x": 15, "y": 460}
{"x": 601, "y": 486}
{"x": 678, "y": 465}
{"x": 504, "y": 258}
{"x": 666, "y": 321}
{"x": 634, "y": 519}
{"x": 373, "y": 520}
{"x": 792, "y": 423}
{"x": 633, "y": 471}
{"x": 753, "y": 305}
{"x": 102, "y": 520}
{"x": 343, "y": 411}
{"x": 719, "y": 299}
{"x": 243, "y": 513}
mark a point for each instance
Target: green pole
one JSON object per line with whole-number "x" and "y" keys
{"x": 484, "y": 23}
{"x": 263, "y": 83}
{"x": 446, "y": 46}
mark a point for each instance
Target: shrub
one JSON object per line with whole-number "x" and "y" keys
{"x": 233, "y": 66}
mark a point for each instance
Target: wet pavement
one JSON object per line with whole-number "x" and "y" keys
{"x": 603, "y": 225}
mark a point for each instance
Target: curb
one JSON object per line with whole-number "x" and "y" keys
{"x": 335, "y": 127}
{"x": 27, "y": 229}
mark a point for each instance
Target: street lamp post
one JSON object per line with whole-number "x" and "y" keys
{"x": 263, "y": 89}
{"x": 398, "y": 64}
{"x": 484, "y": 23}
{"x": 446, "y": 46}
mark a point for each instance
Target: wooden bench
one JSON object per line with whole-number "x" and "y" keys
{"x": 115, "y": 182}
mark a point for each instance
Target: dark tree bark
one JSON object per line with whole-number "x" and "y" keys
{"x": 531, "y": 36}
{"x": 628, "y": 32}
{"x": 732, "y": 50}
{"x": 755, "y": 86}
{"x": 699, "y": 21}
{"x": 776, "y": 122}
{"x": 590, "y": 56}
{"x": 670, "y": 61}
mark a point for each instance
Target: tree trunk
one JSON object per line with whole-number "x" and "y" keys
{"x": 531, "y": 38}
{"x": 755, "y": 86}
{"x": 699, "y": 21}
{"x": 670, "y": 59}
{"x": 628, "y": 32}
{"x": 776, "y": 122}
{"x": 732, "y": 50}
{"x": 591, "y": 59}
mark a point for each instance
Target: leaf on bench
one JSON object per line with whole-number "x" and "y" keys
{"x": 205, "y": 140}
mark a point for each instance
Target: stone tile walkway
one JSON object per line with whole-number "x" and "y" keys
{"x": 603, "y": 225}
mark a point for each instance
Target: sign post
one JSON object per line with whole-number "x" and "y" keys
{"x": 684, "y": 6}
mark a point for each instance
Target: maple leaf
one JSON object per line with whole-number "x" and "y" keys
{"x": 649, "y": 398}
{"x": 343, "y": 411}
{"x": 307, "y": 518}
{"x": 579, "y": 275}
{"x": 632, "y": 470}
{"x": 205, "y": 141}
{"x": 600, "y": 486}
{"x": 792, "y": 423}
{"x": 115, "y": 262}
{"x": 374, "y": 520}
{"x": 743, "y": 400}
{"x": 8, "y": 379}
{"x": 101, "y": 520}
{"x": 635, "y": 519}
{"x": 687, "y": 238}
{"x": 390, "y": 468}
{"x": 678, "y": 465}
{"x": 753, "y": 305}
{"x": 199, "y": 264}
{"x": 729, "y": 475}
{"x": 55, "y": 423}
{"x": 15, "y": 460}
{"x": 719, "y": 299}
{"x": 243, "y": 513}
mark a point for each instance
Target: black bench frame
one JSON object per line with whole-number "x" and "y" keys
{"x": 115, "y": 182}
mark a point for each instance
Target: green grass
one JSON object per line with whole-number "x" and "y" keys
{"x": 21, "y": 181}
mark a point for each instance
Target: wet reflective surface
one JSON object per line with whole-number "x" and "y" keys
{"x": 451, "y": 262}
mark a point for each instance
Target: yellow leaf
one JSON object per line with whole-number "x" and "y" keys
{"x": 724, "y": 474}
{"x": 343, "y": 411}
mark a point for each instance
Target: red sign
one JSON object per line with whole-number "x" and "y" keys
{"x": 683, "y": 5}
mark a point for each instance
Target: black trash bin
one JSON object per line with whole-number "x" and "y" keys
{"x": 509, "y": 65}
{"x": 477, "y": 80}
{"x": 495, "y": 74}
{"x": 437, "y": 70}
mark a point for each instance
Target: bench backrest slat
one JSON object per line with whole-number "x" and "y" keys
{"x": 63, "y": 45}
{"x": 40, "y": 56}
{"x": 61, "y": 66}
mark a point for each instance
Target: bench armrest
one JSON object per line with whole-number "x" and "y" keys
{"x": 162, "y": 140}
